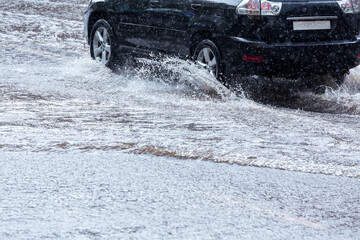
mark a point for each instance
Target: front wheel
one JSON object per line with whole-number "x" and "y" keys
{"x": 103, "y": 44}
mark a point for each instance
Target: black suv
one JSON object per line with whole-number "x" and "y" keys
{"x": 278, "y": 38}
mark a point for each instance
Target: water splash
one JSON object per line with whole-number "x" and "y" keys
{"x": 287, "y": 94}
{"x": 182, "y": 75}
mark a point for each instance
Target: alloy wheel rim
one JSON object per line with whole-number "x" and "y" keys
{"x": 207, "y": 59}
{"x": 102, "y": 45}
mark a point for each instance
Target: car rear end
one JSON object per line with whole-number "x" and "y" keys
{"x": 296, "y": 37}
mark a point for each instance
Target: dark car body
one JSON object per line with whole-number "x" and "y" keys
{"x": 260, "y": 44}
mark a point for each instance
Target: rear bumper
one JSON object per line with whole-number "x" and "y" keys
{"x": 289, "y": 59}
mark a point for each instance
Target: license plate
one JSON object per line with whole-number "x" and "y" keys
{"x": 311, "y": 25}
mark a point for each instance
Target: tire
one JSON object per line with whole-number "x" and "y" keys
{"x": 103, "y": 44}
{"x": 207, "y": 55}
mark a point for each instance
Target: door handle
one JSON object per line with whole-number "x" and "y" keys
{"x": 195, "y": 6}
{"x": 154, "y": 3}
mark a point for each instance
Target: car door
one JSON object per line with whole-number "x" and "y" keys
{"x": 170, "y": 21}
{"x": 133, "y": 23}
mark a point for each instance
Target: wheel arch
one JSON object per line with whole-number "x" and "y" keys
{"x": 205, "y": 34}
{"x": 197, "y": 37}
{"x": 94, "y": 17}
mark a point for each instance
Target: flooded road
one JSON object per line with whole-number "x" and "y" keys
{"x": 64, "y": 117}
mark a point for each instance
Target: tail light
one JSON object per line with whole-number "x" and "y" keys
{"x": 253, "y": 58}
{"x": 350, "y": 6}
{"x": 258, "y": 7}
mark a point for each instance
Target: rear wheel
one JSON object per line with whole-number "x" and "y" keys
{"x": 103, "y": 44}
{"x": 208, "y": 56}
